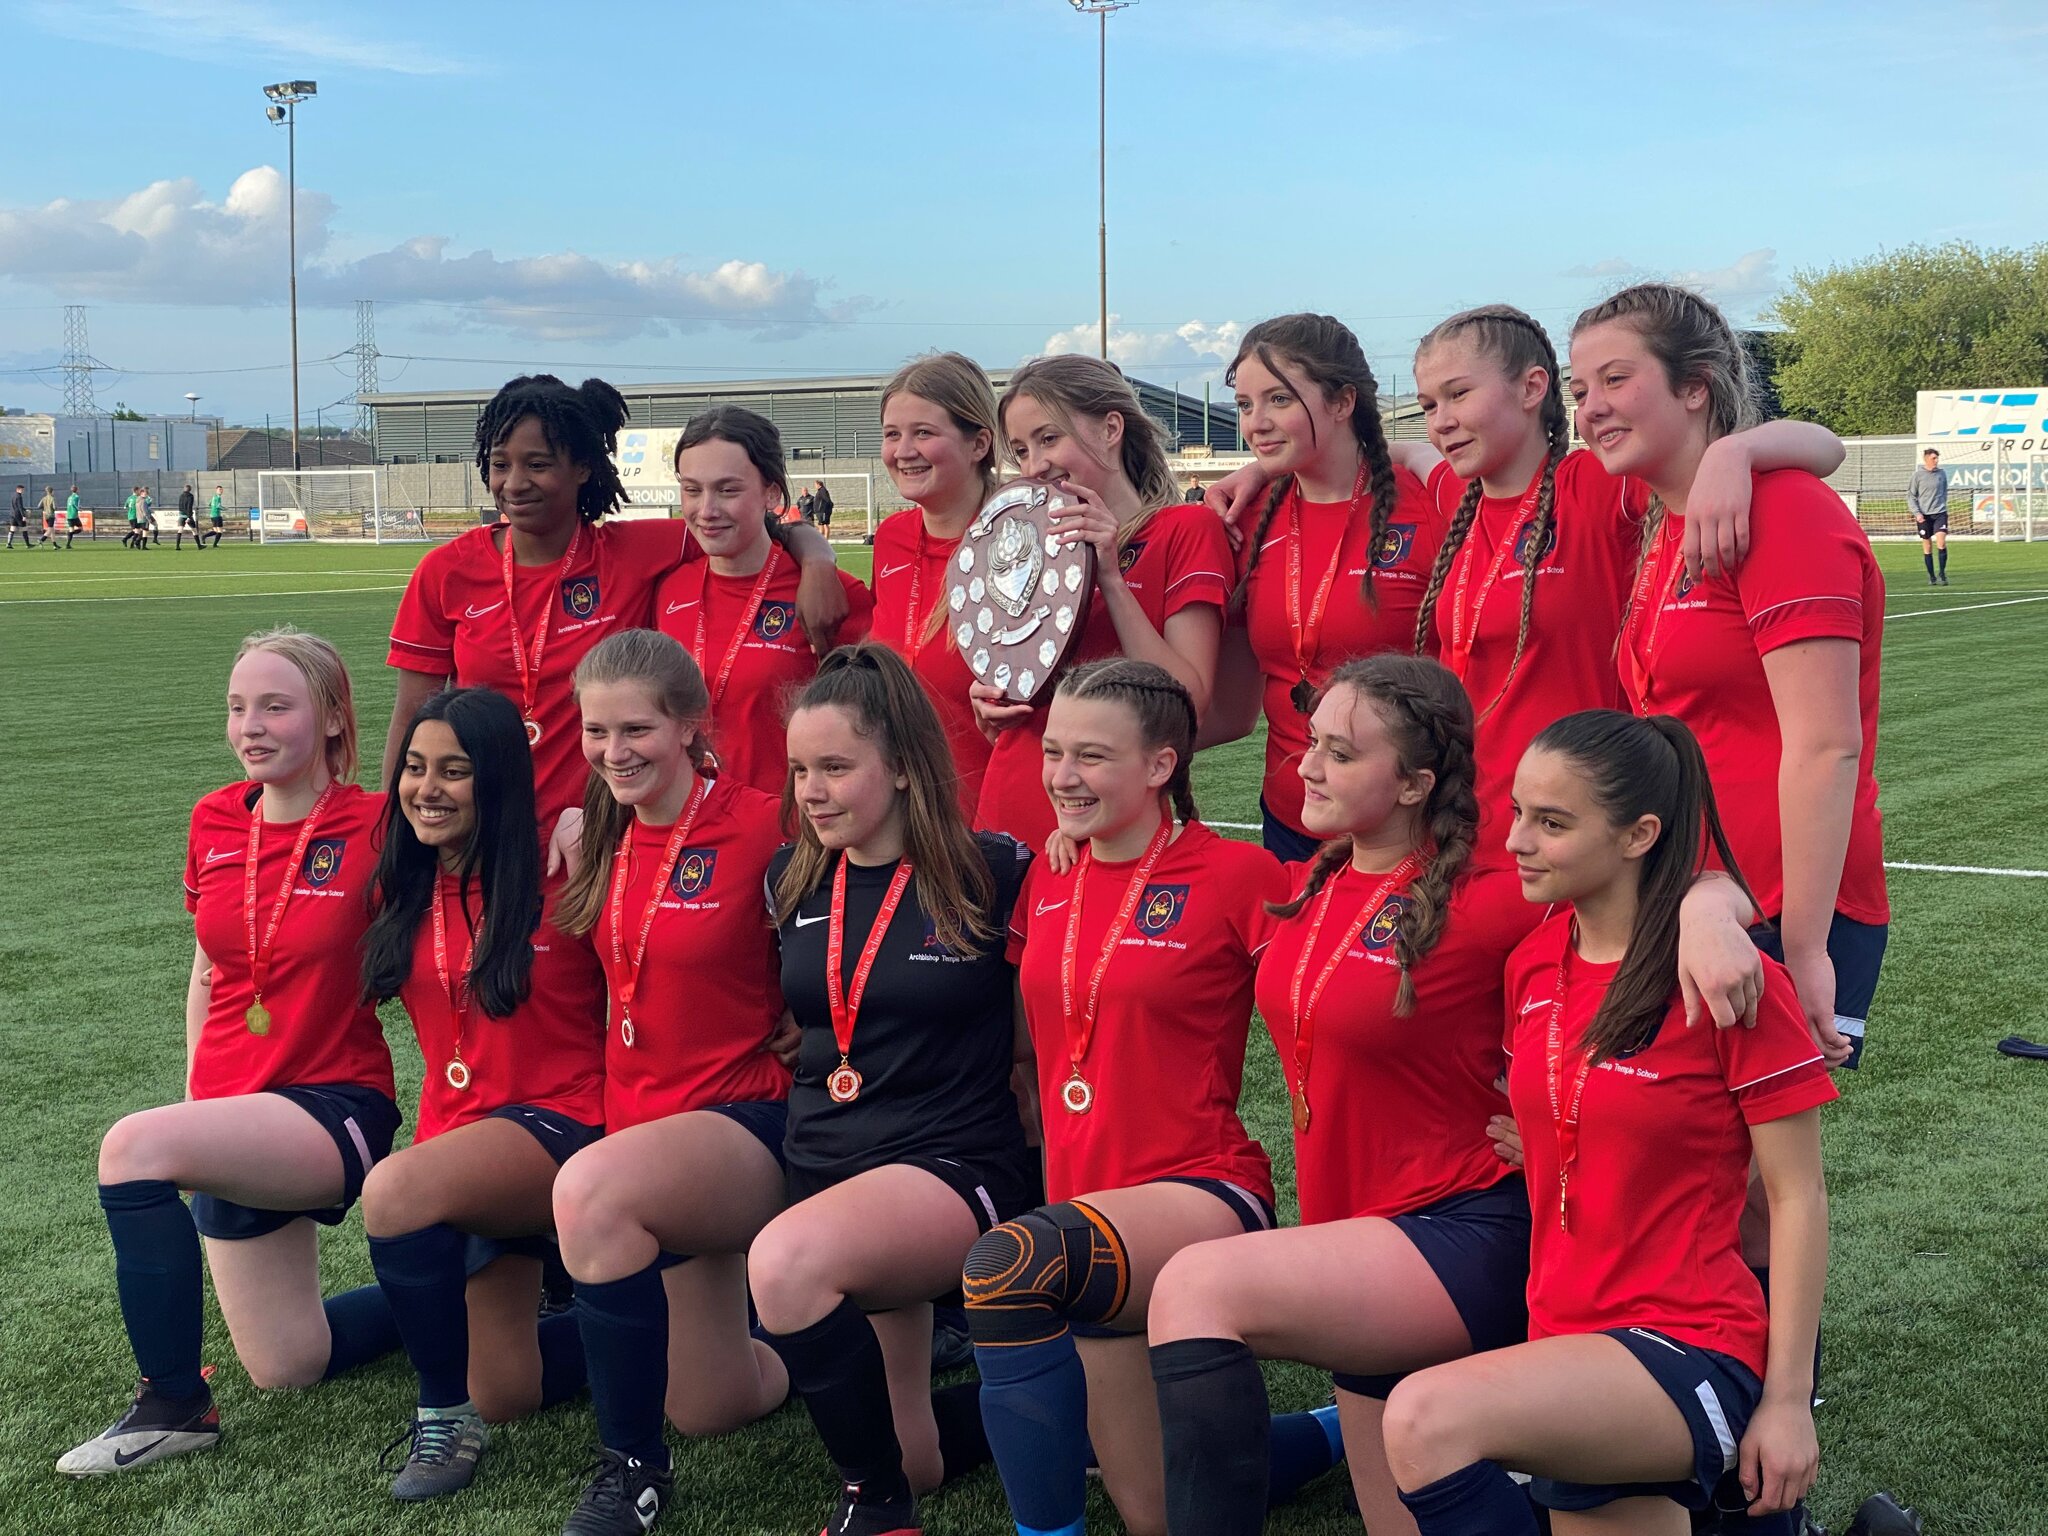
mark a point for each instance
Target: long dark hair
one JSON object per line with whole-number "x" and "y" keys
{"x": 749, "y": 431}
{"x": 1517, "y": 343}
{"x": 581, "y": 424}
{"x": 1163, "y": 707}
{"x": 1635, "y": 768}
{"x": 502, "y": 859}
{"x": 889, "y": 706}
{"x": 1429, "y": 719}
{"x": 1322, "y": 348}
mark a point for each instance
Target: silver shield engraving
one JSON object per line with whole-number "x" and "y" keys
{"x": 1013, "y": 565}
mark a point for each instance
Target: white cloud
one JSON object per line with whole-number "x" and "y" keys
{"x": 168, "y": 243}
{"x": 1196, "y": 349}
{"x": 1743, "y": 289}
{"x": 208, "y": 30}
{"x": 1613, "y": 266}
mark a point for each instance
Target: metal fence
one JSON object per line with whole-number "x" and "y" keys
{"x": 1989, "y": 494}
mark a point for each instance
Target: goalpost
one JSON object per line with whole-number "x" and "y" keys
{"x": 853, "y": 501}
{"x": 298, "y": 505}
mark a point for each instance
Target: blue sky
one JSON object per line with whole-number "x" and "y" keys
{"x": 811, "y": 186}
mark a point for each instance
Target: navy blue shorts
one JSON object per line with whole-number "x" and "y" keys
{"x": 1716, "y": 1393}
{"x": 1934, "y": 522}
{"x": 1281, "y": 840}
{"x": 766, "y": 1119}
{"x": 1478, "y": 1245}
{"x": 361, "y": 1121}
{"x": 561, "y": 1137}
{"x": 1254, "y": 1211}
{"x": 1858, "y": 952}
{"x": 995, "y": 1189}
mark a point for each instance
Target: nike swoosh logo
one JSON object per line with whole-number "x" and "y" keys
{"x": 679, "y": 607}
{"x": 1271, "y": 542}
{"x": 129, "y": 1458}
{"x": 1541, "y": 1002}
{"x": 891, "y": 570}
{"x": 474, "y": 612}
{"x": 805, "y": 922}
{"x": 220, "y": 853}
{"x": 1041, "y": 909}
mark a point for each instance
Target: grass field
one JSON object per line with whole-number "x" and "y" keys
{"x": 110, "y": 726}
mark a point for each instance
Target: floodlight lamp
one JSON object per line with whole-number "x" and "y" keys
{"x": 304, "y": 88}
{"x": 275, "y": 114}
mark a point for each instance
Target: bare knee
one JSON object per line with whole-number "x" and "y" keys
{"x": 280, "y": 1365}
{"x": 503, "y": 1395}
{"x": 589, "y": 1215}
{"x": 1195, "y": 1297}
{"x": 132, "y": 1149}
{"x": 1426, "y": 1430}
{"x": 397, "y": 1199}
{"x": 791, "y": 1288}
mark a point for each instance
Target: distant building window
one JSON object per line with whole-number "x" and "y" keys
{"x": 156, "y": 450}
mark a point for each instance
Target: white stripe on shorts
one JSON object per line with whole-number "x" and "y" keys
{"x": 1251, "y": 1201}
{"x": 988, "y": 1205}
{"x": 355, "y": 1134}
{"x": 1719, "y": 1419}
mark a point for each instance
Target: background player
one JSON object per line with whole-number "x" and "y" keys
{"x": 288, "y": 1082}
{"x": 1927, "y": 499}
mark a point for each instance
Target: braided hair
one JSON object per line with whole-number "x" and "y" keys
{"x": 1163, "y": 706}
{"x": 581, "y": 424}
{"x": 1428, "y": 717}
{"x": 1515, "y": 341}
{"x": 1322, "y": 348}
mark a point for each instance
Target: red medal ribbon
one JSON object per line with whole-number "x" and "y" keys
{"x": 259, "y": 953}
{"x": 622, "y": 860}
{"x": 1305, "y": 1013}
{"x": 1564, "y": 1109}
{"x": 1079, "y": 1026}
{"x": 1652, "y": 582}
{"x": 739, "y": 634}
{"x": 529, "y": 675}
{"x": 454, "y": 986}
{"x": 1464, "y": 623}
{"x": 1308, "y": 636}
{"x": 910, "y": 617}
{"x": 845, "y": 1082}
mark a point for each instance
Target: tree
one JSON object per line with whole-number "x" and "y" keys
{"x": 1861, "y": 340}
{"x": 122, "y": 413}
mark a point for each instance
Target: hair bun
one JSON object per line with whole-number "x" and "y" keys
{"x": 608, "y": 405}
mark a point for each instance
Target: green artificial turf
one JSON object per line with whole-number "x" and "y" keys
{"x": 111, "y": 725}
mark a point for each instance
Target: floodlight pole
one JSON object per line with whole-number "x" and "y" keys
{"x": 1101, "y": 9}
{"x": 287, "y": 97}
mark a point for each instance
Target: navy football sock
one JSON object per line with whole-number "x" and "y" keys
{"x": 1475, "y": 1500}
{"x": 1034, "y": 1404}
{"x": 1942, "y": 555}
{"x": 422, "y": 1274}
{"x": 963, "y": 1440}
{"x": 1304, "y": 1447}
{"x": 1217, "y": 1435}
{"x": 562, "y": 1372}
{"x": 157, "y": 1276}
{"x": 1928, "y": 561}
{"x": 625, "y": 1341}
{"x": 360, "y": 1328}
{"x": 836, "y": 1364}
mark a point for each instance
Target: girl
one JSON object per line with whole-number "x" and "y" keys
{"x": 736, "y": 609}
{"x": 939, "y": 444}
{"x": 508, "y": 1010}
{"x": 468, "y": 616}
{"x": 1650, "y": 1357}
{"x": 1774, "y": 666}
{"x": 669, "y": 887}
{"x": 1161, "y": 564}
{"x": 904, "y": 1139}
{"x": 1135, "y": 970}
{"x": 1337, "y": 559}
{"x": 288, "y": 1084}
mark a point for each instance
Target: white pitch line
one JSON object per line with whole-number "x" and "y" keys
{"x": 1930, "y": 869}
{"x": 1925, "y": 613}
{"x": 194, "y": 597}
{"x": 1942, "y": 592}
{"x": 44, "y": 581}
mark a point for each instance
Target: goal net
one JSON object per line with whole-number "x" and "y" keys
{"x": 853, "y": 503}
{"x": 646, "y": 460}
{"x": 296, "y": 505}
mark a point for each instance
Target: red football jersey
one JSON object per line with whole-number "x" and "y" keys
{"x": 1166, "y": 1058}
{"x": 1696, "y": 649}
{"x": 1662, "y": 1164}
{"x": 548, "y": 1053}
{"x": 319, "y": 1032}
{"x": 709, "y": 991}
{"x": 1179, "y": 558}
{"x": 1398, "y": 1105}
{"x": 452, "y": 623}
{"x": 1349, "y": 626}
{"x": 910, "y": 589}
{"x": 1581, "y": 589}
{"x": 703, "y": 610}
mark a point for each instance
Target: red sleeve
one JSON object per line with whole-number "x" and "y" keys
{"x": 1198, "y": 562}
{"x": 1620, "y": 503}
{"x": 1774, "y": 1070}
{"x": 192, "y": 859}
{"x": 1803, "y": 579}
{"x": 1445, "y": 489}
{"x": 423, "y": 633}
{"x": 1020, "y": 915}
{"x": 1267, "y": 879}
{"x": 860, "y": 609}
{"x": 692, "y": 550}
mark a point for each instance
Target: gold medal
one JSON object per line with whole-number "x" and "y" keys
{"x": 258, "y": 1018}
{"x": 1303, "y": 695}
{"x": 1077, "y": 1095}
{"x": 532, "y": 733}
{"x": 844, "y": 1083}
{"x": 458, "y": 1074}
{"x": 1301, "y": 1114}
{"x": 626, "y": 1031}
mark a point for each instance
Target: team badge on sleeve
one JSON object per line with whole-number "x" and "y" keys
{"x": 580, "y": 596}
{"x": 694, "y": 869}
{"x": 1128, "y": 557}
{"x": 1163, "y": 906}
{"x": 774, "y": 620}
{"x": 1395, "y": 545}
{"x": 323, "y": 860}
